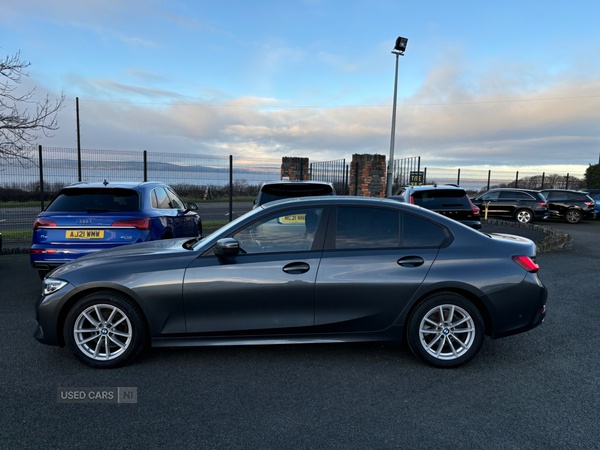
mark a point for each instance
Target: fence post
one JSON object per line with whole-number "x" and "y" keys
{"x": 458, "y": 178}
{"x": 346, "y": 181}
{"x": 567, "y": 186}
{"x": 310, "y": 172}
{"x": 41, "y": 178}
{"x": 419, "y": 165}
{"x": 517, "y": 180}
{"x": 489, "y": 177}
{"x": 301, "y": 169}
{"x": 356, "y": 179}
{"x": 230, "y": 188}
{"x": 543, "y": 176}
{"x": 145, "y": 166}
{"x": 78, "y": 139}
{"x": 425, "y": 175}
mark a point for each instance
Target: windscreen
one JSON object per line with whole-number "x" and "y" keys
{"x": 279, "y": 192}
{"x": 441, "y": 198}
{"x": 95, "y": 200}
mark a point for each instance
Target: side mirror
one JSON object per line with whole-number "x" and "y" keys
{"x": 227, "y": 247}
{"x": 192, "y": 206}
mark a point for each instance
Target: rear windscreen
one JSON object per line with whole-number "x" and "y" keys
{"x": 95, "y": 200}
{"x": 441, "y": 198}
{"x": 279, "y": 192}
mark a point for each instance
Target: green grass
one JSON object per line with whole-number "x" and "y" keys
{"x": 15, "y": 204}
{"x": 217, "y": 200}
{"x": 214, "y": 224}
{"x": 16, "y": 234}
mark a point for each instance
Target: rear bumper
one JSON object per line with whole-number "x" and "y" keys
{"x": 61, "y": 255}
{"x": 476, "y": 224}
{"x": 537, "y": 315}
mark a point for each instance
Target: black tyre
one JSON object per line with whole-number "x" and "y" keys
{"x": 105, "y": 330}
{"x": 445, "y": 330}
{"x": 524, "y": 216}
{"x": 573, "y": 216}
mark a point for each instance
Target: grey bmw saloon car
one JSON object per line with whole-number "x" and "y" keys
{"x": 307, "y": 270}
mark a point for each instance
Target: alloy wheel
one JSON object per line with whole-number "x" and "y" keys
{"x": 102, "y": 332}
{"x": 447, "y": 332}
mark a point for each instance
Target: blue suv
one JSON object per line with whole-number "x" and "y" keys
{"x": 87, "y": 217}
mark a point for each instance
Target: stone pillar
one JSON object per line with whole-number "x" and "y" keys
{"x": 371, "y": 175}
{"x": 291, "y": 168}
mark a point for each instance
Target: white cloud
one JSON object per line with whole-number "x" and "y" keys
{"x": 448, "y": 122}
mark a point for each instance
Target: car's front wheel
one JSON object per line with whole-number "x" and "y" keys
{"x": 105, "y": 330}
{"x": 445, "y": 330}
{"x": 524, "y": 216}
{"x": 573, "y": 216}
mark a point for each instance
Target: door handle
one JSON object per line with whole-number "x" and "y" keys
{"x": 411, "y": 261}
{"x": 296, "y": 268}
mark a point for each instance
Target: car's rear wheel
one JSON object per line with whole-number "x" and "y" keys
{"x": 523, "y": 216}
{"x": 445, "y": 330}
{"x": 573, "y": 216}
{"x": 105, "y": 330}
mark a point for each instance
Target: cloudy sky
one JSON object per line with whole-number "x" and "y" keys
{"x": 512, "y": 83}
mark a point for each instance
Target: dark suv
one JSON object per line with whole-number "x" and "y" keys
{"x": 449, "y": 200}
{"x": 279, "y": 190}
{"x": 524, "y": 205}
{"x": 572, "y": 206}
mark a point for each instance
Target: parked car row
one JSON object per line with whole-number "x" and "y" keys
{"x": 523, "y": 205}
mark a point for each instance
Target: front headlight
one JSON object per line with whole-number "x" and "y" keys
{"x": 50, "y": 286}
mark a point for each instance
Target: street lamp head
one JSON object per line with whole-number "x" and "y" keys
{"x": 400, "y": 46}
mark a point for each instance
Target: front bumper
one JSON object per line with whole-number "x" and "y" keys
{"x": 47, "y": 314}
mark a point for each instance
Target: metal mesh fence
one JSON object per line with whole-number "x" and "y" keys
{"x": 334, "y": 172}
{"x": 477, "y": 181}
{"x": 206, "y": 177}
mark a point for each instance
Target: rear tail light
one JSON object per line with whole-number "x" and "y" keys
{"x": 140, "y": 224}
{"x": 475, "y": 209}
{"x": 543, "y": 203}
{"x": 412, "y": 200}
{"x": 35, "y": 250}
{"x": 589, "y": 203}
{"x": 526, "y": 263}
{"x": 43, "y": 223}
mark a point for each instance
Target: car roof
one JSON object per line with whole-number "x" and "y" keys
{"x": 114, "y": 184}
{"x": 513, "y": 189}
{"x": 425, "y": 187}
{"x": 563, "y": 190}
{"x": 318, "y": 183}
{"x": 336, "y": 200}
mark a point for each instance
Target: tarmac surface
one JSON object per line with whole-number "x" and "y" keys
{"x": 535, "y": 390}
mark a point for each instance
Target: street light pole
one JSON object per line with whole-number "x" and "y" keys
{"x": 399, "y": 49}
{"x": 390, "y": 174}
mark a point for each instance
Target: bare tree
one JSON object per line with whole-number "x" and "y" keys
{"x": 20, "y": 125}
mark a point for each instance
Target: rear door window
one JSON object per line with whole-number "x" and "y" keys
{"x": 417, "y": 232}
{"x": 367, "y": 228}
{"x": 95, "y": 200}
{"x": 441, "y": 198}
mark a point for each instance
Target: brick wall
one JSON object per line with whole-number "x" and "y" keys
{"x": 371, "y": 176}
{"x": 295, "y": 168}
